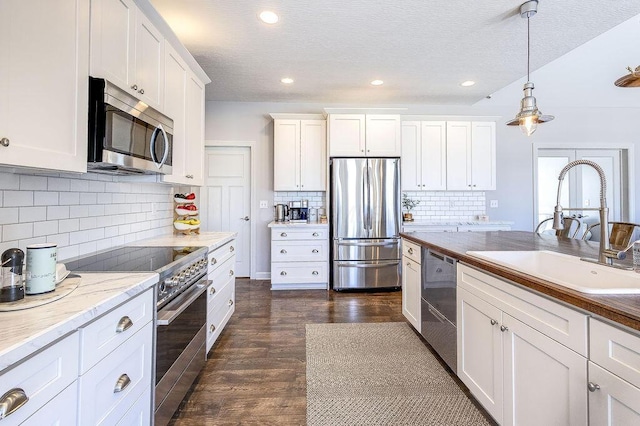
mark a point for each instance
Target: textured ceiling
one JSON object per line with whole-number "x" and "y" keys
{"x": 422, "y": 49}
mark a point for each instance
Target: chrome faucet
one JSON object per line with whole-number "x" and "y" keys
{"x": 605, "y": 254}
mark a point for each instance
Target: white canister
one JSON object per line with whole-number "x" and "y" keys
{"x": 313, "y": 215}
{"x": 41, "y": 268}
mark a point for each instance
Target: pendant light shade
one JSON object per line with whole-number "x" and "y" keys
{"x": 529, "y": 116}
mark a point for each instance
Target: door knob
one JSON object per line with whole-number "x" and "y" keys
{"x": 246, "y": 218}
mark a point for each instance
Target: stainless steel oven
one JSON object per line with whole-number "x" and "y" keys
{"x": 180, "y": 347}
{"x": 438, "y": 305}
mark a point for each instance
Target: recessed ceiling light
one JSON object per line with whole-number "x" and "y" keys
{"x": 268, "y": 17}
{"x": 286, "y": 80}
{"x": 467, "y": 83}
{"x": 377, "y": 83}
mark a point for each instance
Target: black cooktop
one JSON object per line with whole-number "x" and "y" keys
{"x": 129, "y": 259}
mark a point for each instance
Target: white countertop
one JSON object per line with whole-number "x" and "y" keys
{"x": 25, "y": 332}
{"x": 213, "y": 240}
{"x": 459, "y": 223}
{"x": 275, "y": 224}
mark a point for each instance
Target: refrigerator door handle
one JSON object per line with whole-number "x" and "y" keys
{"x": 369, "y": 243}
{"x": 353, "y": 264}
{"x": 370, "y": 197}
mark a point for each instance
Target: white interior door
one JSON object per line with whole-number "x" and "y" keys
{"x": 227, "y": 199}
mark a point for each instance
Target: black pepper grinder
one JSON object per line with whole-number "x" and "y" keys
{"x": 11, "y": 285}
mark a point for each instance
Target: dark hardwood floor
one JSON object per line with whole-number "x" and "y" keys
{"x": 255, "y": 374}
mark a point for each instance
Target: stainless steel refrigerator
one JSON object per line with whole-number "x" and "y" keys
{"x": 365, "y": 223}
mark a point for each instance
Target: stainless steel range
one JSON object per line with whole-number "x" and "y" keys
{"x": 181, "y": 312}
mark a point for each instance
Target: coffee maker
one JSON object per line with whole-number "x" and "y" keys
{"x": 299, "y": 211}
{"x": 11, "y": 285}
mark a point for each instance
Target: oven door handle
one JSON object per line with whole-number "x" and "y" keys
{"x": 169, "y": 313}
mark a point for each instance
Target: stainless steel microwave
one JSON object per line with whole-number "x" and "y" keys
{"x": 126, "y": 136}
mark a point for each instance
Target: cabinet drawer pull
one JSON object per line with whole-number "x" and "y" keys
{"x": 283, "y": 234}
{"x": 122, "y": 383}
{"x": 230, "y": 302}
{"x": 503, "y": 328}
{"x": 232, "y": 249}
{"x": 231, "y": 273}
{"x": 283, "y": 251}
{"x": 410, "y": 251}
{"x": 11, "y": 401}
{"x": 214, "y": 260}
{"x": 593, "y": 387}
{"x": 212, "y": 290}
{"x": 4, "y": 142}
{"x": 283, "y": 273}
{"x": 212, "y": 328}
{"x": 189, "y": 176}
{"x": 124, "y": 324}
{"x": 493, "y": 322}
{"x": 314, "y": 251}
{"x": 314, "y": 273}
{"x": 315, "y": 234}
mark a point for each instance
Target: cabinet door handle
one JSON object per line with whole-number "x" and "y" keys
{"x": 283, "y": 234}
{"x": 214, "y": 260}
{"x": 410, "y": 251}
{"x": 283, "y": 251}
{"x": 124, "y": 324}
{"x": 315, "y": 234}
{"x": 212, "y": 290}
{"x": 493, "y": 322}
{"x": 212, "y": 328}
{"x": 504, "y": 328}
{"x": 314, "y": 273}
{"x": 134, "y": 87}
{"x": 314, "y": 251}
{"x": 4, "y": 142}
{"x": 232, "y": 249}
{"x": 593, "y": 387}
{"x": 11, "y": 401}
{"x": 141, "y": 91}
{"x": 230, "y": 302}
{"x": 283, "y": 273}
{"x": 231, "y": 273}
{"x": 122, "y": 383}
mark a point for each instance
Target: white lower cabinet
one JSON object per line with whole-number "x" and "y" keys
{"x": 520, "y": 374}
{"x": 61, "y": 410}
{"x": 299, "y": 257}
{"x": 140, "y": 413}
{"x": 221, "y": 294}
{"x": 614, "y": 376}
{"x": 411, "y": 283}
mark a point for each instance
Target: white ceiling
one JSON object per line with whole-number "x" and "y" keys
{"x": 422, "y": 49}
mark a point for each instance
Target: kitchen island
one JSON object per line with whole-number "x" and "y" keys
{"x": 623, "y": 309}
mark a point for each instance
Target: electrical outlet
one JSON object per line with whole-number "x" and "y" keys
{"x": 493, "y": 204}
{"x": 263, "y": 204}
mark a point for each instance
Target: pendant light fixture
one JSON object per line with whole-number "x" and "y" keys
{"x": 529, "y": 115}
{"x": 630, "y": 80}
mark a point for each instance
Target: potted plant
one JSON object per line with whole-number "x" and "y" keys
{"x": 408, "y": 204}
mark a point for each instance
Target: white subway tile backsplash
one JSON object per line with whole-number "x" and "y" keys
{"x": 445, "y": 205}
{"x": 80, "y": 213}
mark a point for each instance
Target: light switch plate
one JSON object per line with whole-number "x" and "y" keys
{"x": 493, "y": 204}
{"x": 263, "y": 204}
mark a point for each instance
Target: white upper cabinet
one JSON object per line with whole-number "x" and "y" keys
{"x": 127, "y": 49}
{"x": 300, "y": 155}
{"x": 194, "y": 129}
{"x": 360, "y": 135}
{"x": 44, "y": 52}
{"x": 471, "y": 156}
{"x": 424, "y": 156}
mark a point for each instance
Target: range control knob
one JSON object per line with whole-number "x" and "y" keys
{"x": 171, "y": 282}
{"x": 163, "y": 286}
{"x": 182, "y": 278}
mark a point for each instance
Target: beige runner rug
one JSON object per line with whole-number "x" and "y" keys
{"x": 379, "y": 374}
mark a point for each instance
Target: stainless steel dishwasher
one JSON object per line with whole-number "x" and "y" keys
{"x": 438, "y": 306}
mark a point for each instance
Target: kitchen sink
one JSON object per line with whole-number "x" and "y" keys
{"x": 565, "y": 270}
